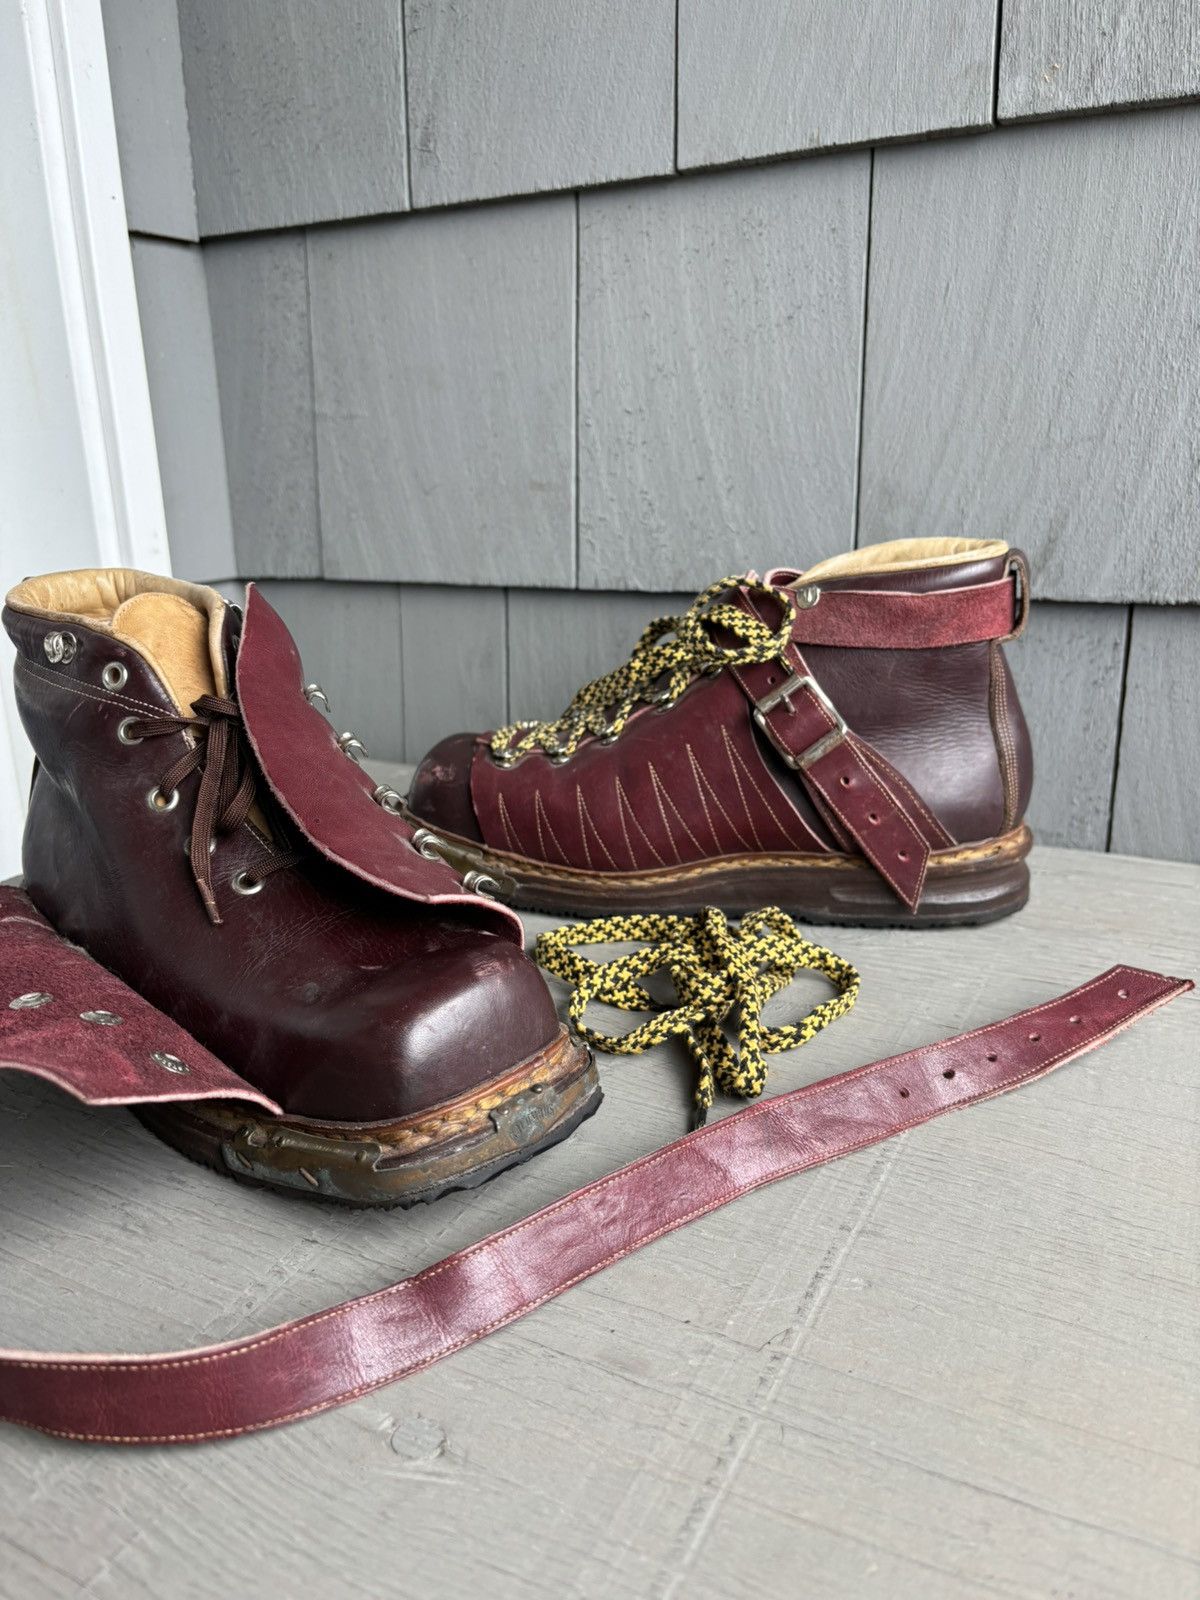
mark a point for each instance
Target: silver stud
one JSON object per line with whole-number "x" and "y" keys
{"x": 160, "y": 802}
{"x": 351, "y": 745}
{"x": 114, "y": 676}
{"x": 123, "y": 732}
{"x": 60, "y": 648}
{"x": 807, "y": 597}
{"x": 27, "y": 1002}
{"x": 244, "y": 883}
{"x": 102, "y": 1019}
{"x": 481, "y": 883}
{"x": 164, "y": 1058}
{"x": 387, "y": 797}
{"x": 187, "y": 846}
{"x": 314, "y": 692}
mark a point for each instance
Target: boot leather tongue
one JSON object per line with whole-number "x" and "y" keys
{"x": 172, "y": 634}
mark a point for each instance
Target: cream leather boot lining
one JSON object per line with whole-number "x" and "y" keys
{"x": 896, "y": 555}
{"x": 174, "y": 626}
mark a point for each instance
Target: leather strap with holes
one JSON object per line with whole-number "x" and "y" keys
{"x": 307, "y": 1366}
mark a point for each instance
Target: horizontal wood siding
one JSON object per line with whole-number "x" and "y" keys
{"x": 258, "y": 294}
{"x": 516, "y": 96}
{"x": 1033, "y": 353}
{"x": 1060, "y": 56}
{"x": 443, "y": 365}
{"x": 770, "y": 77}
{"x": 297, "y": 110}
{"x": 720, "y": 329}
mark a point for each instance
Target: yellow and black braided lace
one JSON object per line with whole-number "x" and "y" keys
{"x": 671, "y": 652}
{"x": 723, "y": 976}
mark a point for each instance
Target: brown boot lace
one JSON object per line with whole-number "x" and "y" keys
{"x": 219, "y": 751}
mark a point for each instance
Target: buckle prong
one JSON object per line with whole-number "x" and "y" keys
{"x": 783, "y": 696}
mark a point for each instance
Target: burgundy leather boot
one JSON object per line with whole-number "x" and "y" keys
{"x": 845, "y": 743}
{"x": 195, "y": 825}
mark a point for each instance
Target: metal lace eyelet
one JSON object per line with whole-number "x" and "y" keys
{"x": 481, "y": 883}
{"x": 314, "y": 692}
{"x": 385, "y": 796}
{"x": 426, "y": 843}
{"x": 557, "y": 757}
{"x": 102, "y": 1019}
{"x": 60, "y": 647}
{"x": 161, "y": 803}
{"x": 114, "y": 676}
{"x": 504, "y": 758}
{"x": 164, "y": 1058}
{"x": 30, "y": 1001}
{"x": 244, "y": 883}
{"x": 609, "y": 735}
{"x": 123, "y": 732}
{"x": 666, "y": 703}
{"x": 351, "y": 745}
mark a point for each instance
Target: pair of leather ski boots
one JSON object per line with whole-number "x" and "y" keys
{"x": 845, "y": 743}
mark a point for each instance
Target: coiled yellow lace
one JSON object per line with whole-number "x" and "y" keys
{"x": 723, "y": 976}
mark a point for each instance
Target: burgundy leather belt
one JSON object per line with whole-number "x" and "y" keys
{"x": 321, "y": 1361}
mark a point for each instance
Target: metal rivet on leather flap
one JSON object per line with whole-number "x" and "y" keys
{"x": 807, "y": 597}
{"x": 60, "y": 647}
{"x": 165, "y": 1059}
{"x": 103, "y": 1019}
{"x": 27, "y": 1002}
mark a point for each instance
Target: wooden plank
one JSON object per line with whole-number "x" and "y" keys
{"x": 348, "y": 635}
{"x": 177, "y": 337}
{"x": 1073, "y": 55}
{"x": 1068, "y": 668}
{"x": 145, "y": 69}
{"x": 560, "y": 640}
{"x": 1158, "y": 774}
{"x": 720, "y": 327}
{"x": 455, "y": 663}
{"x": 297, "y": 110}
{"x": 771, "y": 77}
{"x": 444, "y": 371}
{"x": 1033, "y": 360}
{"x": 258, "y": 295}
{"x": 956, "y": 1367}
{"x": 517, "y": 96}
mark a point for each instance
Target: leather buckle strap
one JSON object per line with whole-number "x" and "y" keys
{"x": 783, "y": 696}
{"x": 303, "y": 1367}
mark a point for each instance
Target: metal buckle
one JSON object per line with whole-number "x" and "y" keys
{"x": 783, "y": 696}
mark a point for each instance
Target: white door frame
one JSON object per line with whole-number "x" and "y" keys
{"x": 70, "y": 168}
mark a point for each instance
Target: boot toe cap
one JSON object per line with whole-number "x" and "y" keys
{"x": 441, "y": 789}
{"x": 425, "y": 1032}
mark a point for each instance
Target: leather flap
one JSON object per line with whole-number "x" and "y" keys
{"x": 48, "y": 991}
{"x": 326, "y": 794}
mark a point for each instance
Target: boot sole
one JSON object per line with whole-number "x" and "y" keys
{"x": 964, "y": 885}
{"x": 457, "y": 1145}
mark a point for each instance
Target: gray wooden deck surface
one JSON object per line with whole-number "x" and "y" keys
{"x": 961, "y": 1364}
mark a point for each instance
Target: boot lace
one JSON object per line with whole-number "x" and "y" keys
{"x": 723, "y": 976}
{"x": 219, "y": 751}
{"x": 670, "y": 654}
